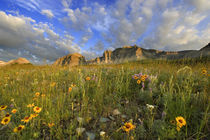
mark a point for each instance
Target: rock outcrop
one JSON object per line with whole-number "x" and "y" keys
{"x": 70, "y": 60}
{"x": 15, "y": 61}
{"x": 132, "y": 53}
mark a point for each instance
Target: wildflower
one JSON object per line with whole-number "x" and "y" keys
{"x": 80, "y": 130}
{"x": 34, "y": 115}
{"x": 5, "y": 120}
{"x": 70, "y": 89}
{"x": 142, "y": 78}
{"x": 204, "y": 72}
{"x": 14, "y": 111}
{"x": 12, "y": 100}
{"x": 30, "y": 105}
{"x": 87, "y": 78}
{"x": 73, "y": 85}
{"x": 52, "y": 84}
{"x": 37, "y": 94}
{"x": 173, "y": 122}
{"x": 138, "y": 81}
{"x": 43, "y": 95}
{"x": 150, "y": 106}
{"x": 19, "y": 128}
{"x": 37, "y": 109}
{"x": 102, "y": 133}
{"x": 128, "y": 126}
{"x": 26, "y": 119}
{"x": 3, "y": 107}
{"x": 135, "y": 77}
{"x": 180, "y": 121}
{"x": 7, "y": 115}
{"x": 51, "y": 124}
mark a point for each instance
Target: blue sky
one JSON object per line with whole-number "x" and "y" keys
{"x": 48, "y": 29}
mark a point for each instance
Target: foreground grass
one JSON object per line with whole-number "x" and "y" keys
{"x": 96, "y": 101}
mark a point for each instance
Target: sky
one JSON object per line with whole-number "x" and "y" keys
{"x": 44, "y": 30}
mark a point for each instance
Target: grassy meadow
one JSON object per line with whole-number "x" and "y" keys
{"x": 131, "y": 101}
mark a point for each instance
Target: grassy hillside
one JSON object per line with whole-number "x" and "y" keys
{"x": 139, "y": 100}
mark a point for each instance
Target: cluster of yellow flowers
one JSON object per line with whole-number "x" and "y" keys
{"x": 7, "y": 117}
{"x": 71, "y": 87}
{"x": 26, "y": 119}
{"x": 37, "y": 95}
{"x": 180, "y": 122}
{"x": 140, "y": 78}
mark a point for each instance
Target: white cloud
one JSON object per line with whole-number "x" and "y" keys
{"x": 23, "y": 36}
{"x": 47, "y": 13}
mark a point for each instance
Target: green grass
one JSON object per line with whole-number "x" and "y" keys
{"x": 174, "y": 90}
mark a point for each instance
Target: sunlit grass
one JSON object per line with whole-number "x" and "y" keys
{"x": 130, "y": 101}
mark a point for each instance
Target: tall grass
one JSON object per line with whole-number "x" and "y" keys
{"x": 173, "y": 90}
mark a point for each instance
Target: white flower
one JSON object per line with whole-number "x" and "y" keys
{"x": 102, "y": 133}
{"x": 150, "y": 106}
{"x": 80, "y": 130}
{"x": 80, "y": 120}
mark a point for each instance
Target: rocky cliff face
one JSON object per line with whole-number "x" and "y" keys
{"x": 131, "y": 53}
{"x": 70, "y": 60}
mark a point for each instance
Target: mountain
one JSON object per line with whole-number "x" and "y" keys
{"x": 131, "y": 53}
{"x": 70, "y": 60}
{"x": 2, "y": 63}
{"x": 15, "y": 61}
{"x": 135, "y": 53}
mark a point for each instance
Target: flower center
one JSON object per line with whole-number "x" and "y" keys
{"x": 127, "y": 126}
{"x": 7, "y": 115}
{"x": 6, "y": 120}
{"x": 37, "y": 108}
{"x": 19, "y": 128}
{"x": 180, "y": 121}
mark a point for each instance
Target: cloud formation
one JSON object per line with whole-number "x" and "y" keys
{"x": 24, "y": 37}
{"x": 48, "y": 13}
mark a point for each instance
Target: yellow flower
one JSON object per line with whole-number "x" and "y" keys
{"x": 37, "y": 94}
{"x": 7, "y": 115}
{"x": 26, "y": 119}
{"x": 53, "y": 84}
{"x": 30, "y": 105}
{"x": 138, "y": 81}
{"x": 204, "y": 72}
{"x": 135, "y": 77}
{"x": 70, "y": 89}
{"x": 12, "y": 100}
{"x": 14, "y": 111}
{"x": 143, "y": 78}
{"x": 37, "y": 109}
{"x": 87, "y": 78}
{"x": 19, "y": 128}
{"x": 34, "y": 115}
{"x": 180, "y": 121}
{"x": 128, "y": 126}
{"x": 51, "y": 124}
{"x": 73, "y": 85}
{"x": 5, "y": 120}
{"x": 3, "y": 107}
{"x": 43, "y": 95}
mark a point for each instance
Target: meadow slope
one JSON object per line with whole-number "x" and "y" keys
{"x": 150, "y": 100}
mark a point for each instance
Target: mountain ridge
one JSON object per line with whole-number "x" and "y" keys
{"x": 131, "y": 53}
